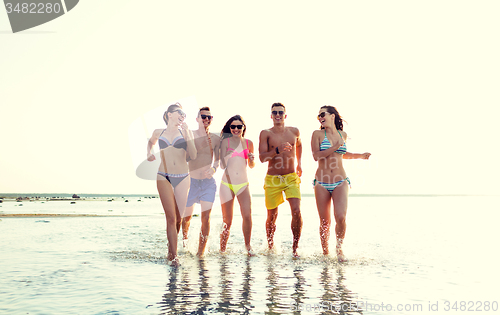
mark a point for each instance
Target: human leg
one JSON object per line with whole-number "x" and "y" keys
{"x": 292, "y": 193}
{"x": 186, "y": 222}
{"x": 272, "y": 215}
{"x": 323, "y": 203}
{"x": 206, "y": 208}
{"x": 245, "y": 201}
{"x": 296, "y": 223}
{"x": 167, "y": 199}
{"x": 181, "y": 191}
{"x": 227, "y": 215}
{"x": 340, "y": 196}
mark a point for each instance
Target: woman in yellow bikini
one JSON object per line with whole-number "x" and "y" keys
{"x": 235, "y": 151}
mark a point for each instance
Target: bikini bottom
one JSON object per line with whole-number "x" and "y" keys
{"x": 331, "y": 186}
{"x": 235, "y": 188}
{"x": 174, "y": 179}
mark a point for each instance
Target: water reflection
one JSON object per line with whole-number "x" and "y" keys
{"x": 231, "y": 285}
{"x": 336, "y": 298}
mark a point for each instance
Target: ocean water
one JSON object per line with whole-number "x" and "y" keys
{"x": 406, "y": 255}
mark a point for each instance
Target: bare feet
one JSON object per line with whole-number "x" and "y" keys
{"x": 340, "y": 253}
{"x": 340, "y": 256}
{"x": 251, "y": 253}
{"x": 295, "y": 255}
{"x": 175, "y": 262}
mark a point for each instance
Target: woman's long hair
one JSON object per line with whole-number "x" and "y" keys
{"x": 172, "y": 108}
{"x": 226, "y": 131}
{"x": 339, "y": 122}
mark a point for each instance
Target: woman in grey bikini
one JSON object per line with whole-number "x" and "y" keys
{"x": 176, "y": 147}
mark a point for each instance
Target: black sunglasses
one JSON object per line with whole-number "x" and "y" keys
{"x": 323, "y": 114}
{"x": 276, "y": 112}
{"x": 236, "y": 126}
{"x": 206, "y": 116}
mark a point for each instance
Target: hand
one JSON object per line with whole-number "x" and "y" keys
{"x": 286, "y": 147}
{"x": 209, "y": 173}
{"x": 151, "y": 157}
{"x": 299, "y": 170}
{"x": 365, "y": 156}
{"x": 251, "y": 157}
{"x": 183, "y": 126}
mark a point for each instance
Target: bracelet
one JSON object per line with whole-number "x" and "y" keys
{"x": 277, "y": 150}
{"x": 214, "y": 169}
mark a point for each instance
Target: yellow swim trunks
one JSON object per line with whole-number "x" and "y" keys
{"x": 275, "y": 185}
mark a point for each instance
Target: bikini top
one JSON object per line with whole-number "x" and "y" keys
{"x": 325, "y": 144}
{"x": 243, "y": 154}
{"x": 178, "y": 142}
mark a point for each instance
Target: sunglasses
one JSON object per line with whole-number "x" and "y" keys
{"x": 276, "y": 112}
{"x": 323, "y": 114}
{"x": 206, "y": 116}
{"x": 236, "y": 126}
{"x": 183, "y": 114}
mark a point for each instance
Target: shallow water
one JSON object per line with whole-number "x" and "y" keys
{"x": 413, "y": 253}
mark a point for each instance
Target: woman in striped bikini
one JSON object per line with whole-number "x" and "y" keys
{"x": 235, "y": 151}
{"x": 173, "y": 181}
{"x": 331, "y": 183}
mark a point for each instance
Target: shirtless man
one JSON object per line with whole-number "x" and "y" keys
{"x": 203, "y": 185}
{"x": 279, "y": 145}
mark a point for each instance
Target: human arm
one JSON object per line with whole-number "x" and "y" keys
{"x": 352, "y": 156}
{"x": 151, "y": 142}
{"x": 189, "y": 138}
{"x": 222, "y": 157}
{"x": 251, "y": 156}
{"x": 215, "y": 141}
{"x": 298, "y": 152}
{"x": 315, "y": 146}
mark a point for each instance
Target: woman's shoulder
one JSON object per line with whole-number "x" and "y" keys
{"x": 157, "y": 132}
{"x": 317, "y": 133}
{"x": 343, "y": 133}
{"x": 248, "y": 141}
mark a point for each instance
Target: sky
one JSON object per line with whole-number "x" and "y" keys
{"x": 417, "y": 82}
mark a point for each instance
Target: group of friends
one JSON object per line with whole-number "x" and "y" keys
{"x": 189, "y": 159}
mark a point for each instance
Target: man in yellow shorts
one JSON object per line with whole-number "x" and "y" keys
{"x": 279, "y": 146}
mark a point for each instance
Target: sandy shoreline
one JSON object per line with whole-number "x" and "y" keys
{"x": 48, "y": 215}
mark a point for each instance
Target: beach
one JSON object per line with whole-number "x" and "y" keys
{"x": 406, "y": 255}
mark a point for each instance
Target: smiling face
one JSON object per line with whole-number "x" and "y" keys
{"x": 278, "y": 114}
{"x": 204, "y": 119}
{"x": 176, "y": 116}
{"x": 237, "y": 128}
{"x": 325, "y": 118}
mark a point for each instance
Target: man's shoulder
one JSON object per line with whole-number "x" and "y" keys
{"x": 213, "y": 135}
{"x": 293, "y": 130}
{"x": 266, "y": 131}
